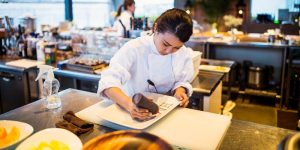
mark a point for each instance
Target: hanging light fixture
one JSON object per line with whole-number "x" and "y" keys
{"x": 240, "y": 8}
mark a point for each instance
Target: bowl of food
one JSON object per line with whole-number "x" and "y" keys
{"x": 52, "y": 139}
{"x": 127, "y": 140}
{"x": 12, "y": 132}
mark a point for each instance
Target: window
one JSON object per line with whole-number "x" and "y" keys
{"x": 46, "y": 12}
{"x": 271, "y": 7}
{"x": 152, "y": 8}
{"x": 92, "y": 13}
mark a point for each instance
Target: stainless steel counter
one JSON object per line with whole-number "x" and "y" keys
{"x": 242, "y": 43}
{"x": 240, "y": 135}
{"x": 206, "y": 82}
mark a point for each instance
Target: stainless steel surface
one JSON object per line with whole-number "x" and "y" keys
{"x": 256, "y": 78}
{"x": 41, "y": 118}
{"x": 251, "y": 44}
{"x": 223, "y": 63}
{"x": 248, "y": 135}
{"x": 206, "y": 82}
{"x": 77, "y": 75}
{"x": 240, "y": 135}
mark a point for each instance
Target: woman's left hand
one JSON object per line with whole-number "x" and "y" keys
{"x": 180, "y": 94}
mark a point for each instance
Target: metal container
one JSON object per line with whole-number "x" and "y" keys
{"x": 256, "y": 77}
{"x": 30, "y": 24}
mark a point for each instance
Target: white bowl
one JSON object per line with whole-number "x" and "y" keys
{"x": 24, "y": 128}
{"x": 50, "y": 134}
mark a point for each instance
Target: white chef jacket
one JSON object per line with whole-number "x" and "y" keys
{"x": 138, "y": 61}
{"x": 125, "y": 18}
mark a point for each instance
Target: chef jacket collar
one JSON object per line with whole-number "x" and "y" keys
{"x": 152, "y": 45}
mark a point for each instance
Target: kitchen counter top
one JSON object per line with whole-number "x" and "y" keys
{"x": 240, "y": 135}
{"x": 241, "y": 43}
{"x": 4, "y": 59}
{"x": 204, "y": 84}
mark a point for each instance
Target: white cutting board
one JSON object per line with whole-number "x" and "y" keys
{"x": 187, "y": 128}
{"x": 25, "y": 63}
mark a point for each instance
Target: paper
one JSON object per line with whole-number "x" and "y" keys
{"x": 117, "y": 115}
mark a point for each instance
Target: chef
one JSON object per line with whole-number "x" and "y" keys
{"x": 124, "y": 18}
{"x": 158, "y": 63}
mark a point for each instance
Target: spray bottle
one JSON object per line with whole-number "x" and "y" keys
{"x": 50, "y": 86}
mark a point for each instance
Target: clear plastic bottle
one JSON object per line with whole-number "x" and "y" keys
{"x": 50, "y": 91}
{"x": 50, "y": 86}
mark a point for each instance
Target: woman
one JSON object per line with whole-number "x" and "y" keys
{"x": 158, "y": 63}
{"x": 124, "y": 19}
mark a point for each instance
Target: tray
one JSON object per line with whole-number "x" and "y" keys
{"x": 85, "y": 68}
{"x": 117, "y": 115}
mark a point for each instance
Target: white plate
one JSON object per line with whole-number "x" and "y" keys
{"x": 50, "y": 134}
{"x": 24, "y": 128}
{"x": 115, "y": 114}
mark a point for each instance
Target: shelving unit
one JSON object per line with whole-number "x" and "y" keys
{"x": 261, "y": 54}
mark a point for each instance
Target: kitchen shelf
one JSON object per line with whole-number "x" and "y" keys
{"x": 253, "y": 92}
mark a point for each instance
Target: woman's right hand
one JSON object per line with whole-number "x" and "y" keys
{"x": 139, "y": 113}
{"x": 117, "y": 95}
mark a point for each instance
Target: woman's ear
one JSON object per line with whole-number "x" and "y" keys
{"x": 155, "y": 28}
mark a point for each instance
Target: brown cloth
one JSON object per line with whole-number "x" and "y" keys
{"x": 74, "y": 124}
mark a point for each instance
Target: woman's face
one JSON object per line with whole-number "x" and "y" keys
{"x": 131, "y": 8}
{"x": 166, "y": 43}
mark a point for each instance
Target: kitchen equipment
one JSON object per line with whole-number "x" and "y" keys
{"x": 13, "y": 89}
{"x": 29, "y": 23}
{"x": 244, "y": 73}
{"x": 232, "y": 75}
{"x": 256, "y": 77}
{"x": 85, "y": 64}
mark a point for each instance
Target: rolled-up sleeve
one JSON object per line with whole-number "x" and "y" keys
{"x": 117, "y": 74}
{"x": 186, "y": 75}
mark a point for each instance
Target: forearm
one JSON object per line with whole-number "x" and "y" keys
{"x": 118, "y": 96}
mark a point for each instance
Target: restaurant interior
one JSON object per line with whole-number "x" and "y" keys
{"x": 246, "y": 81}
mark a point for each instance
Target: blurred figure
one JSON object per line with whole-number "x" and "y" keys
{"x": 124, "y": 19}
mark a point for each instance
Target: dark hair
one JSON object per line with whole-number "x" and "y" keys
{"x": 124, "y": 5}
{"x": 175, "y": 21}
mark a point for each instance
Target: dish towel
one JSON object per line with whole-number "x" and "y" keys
{"x": 74, "y": 124}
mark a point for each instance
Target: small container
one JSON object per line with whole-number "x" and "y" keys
{"x": 50, "y": 56}
{"x": 271, "y": 38}
{"x": 256, "y": 78}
